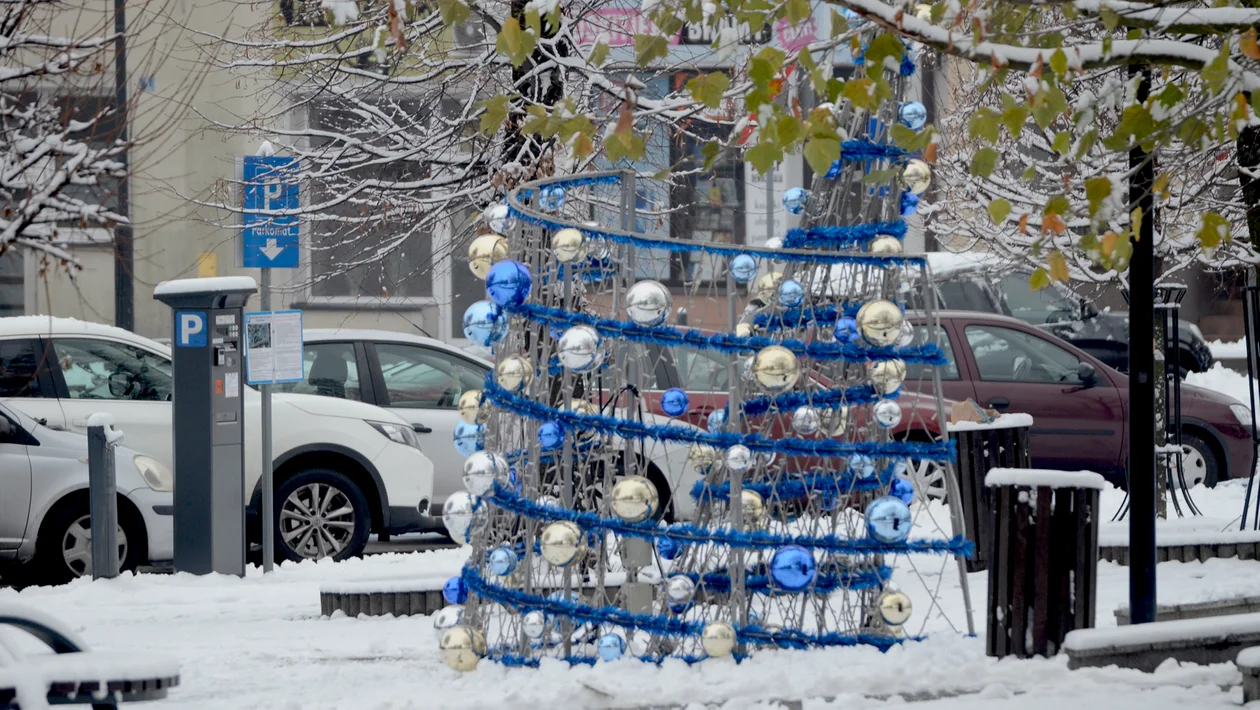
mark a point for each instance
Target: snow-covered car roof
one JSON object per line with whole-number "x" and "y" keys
{"x": 54, "y": 325}
{"x": 944, "y": 263}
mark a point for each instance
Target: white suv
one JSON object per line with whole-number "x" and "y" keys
{"x": 343, "y": 469}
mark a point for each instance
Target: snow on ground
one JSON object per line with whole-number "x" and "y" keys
{"x": 260, "y": 642}
{"x": 1224, "y": 380}
{"x": 1235, "y": 350}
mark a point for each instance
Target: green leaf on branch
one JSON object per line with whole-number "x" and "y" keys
{"x": 496, "y": 113}
{"x": 648, "y": 48}
{"x": 514, "y": 43}
{"x": 858, "y": 92}
{"x": 880, "y": 177}
{"x": 984, "y": 124}
{"x": 765, "y": 66}
{"x": 1058, "y": 62}
{"x": 1096, "y": 190}
{"x": 623, "y": 145}
{"x": 821, "y": 153}
{"x": 1058, "y": 267}
{"x": 710, "y": 151}
{"x": 1085, "y": 143}
{"x": 708, "y": 88}
{"x": 1040, "y": 279}
{"x": 983, "y": 162}
{"x": 453, "y": 12}
{"x": 798, "y": 11}
{"x": 1014, "y": 118}
{"x": 1062, "y": 142}
{"x": 1057, "y": 204}
{"x": 598, "y": 55}
{"x": 835, "y": 88}
{"x": 1216, "y": 73}
{"x": 1171, "y": 95}
{"x": 839, "y": 25}
{"x": 882, "y": 47}
{"x": 999, "y": 210}
{"x": 789, "y": 129}
{"x": 533, "y": 21}
{"x": 763, "y": 156}
{"x": 1214, "y": 230}
{"x": 908, "y": 139}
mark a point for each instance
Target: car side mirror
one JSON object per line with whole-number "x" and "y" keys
{"x": 119, "y": 384}
{"x": 1086, "y": 373}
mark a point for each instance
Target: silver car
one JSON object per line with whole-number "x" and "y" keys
{"x": 45, "y": 530}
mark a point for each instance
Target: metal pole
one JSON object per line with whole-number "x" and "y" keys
{"x": 267, "y": 503}
{"x": 124, "y": 251}
{"x": 1142, "y": 381}
{"x": 103, "y": 504}
{"x": 770, "y": 201}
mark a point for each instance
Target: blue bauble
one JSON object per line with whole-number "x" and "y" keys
{"x": 912, "y": 115}
{"x": 909, "y": 203}
{"x": 454, "y": 591}
{"x": 791, "y": 293}
{"x": 862, "y": 465}
{"x": 743, "y": 268}
{"x": 484, "y": 324}
{"x": 794, "y": 200}
{"x": 793, "y": 568}
{"x": 888, "y": 519}
{"x": 551, "y": 198}
{"x": 502, "y": 560}
{"x": 514, "y": 480}
{"x": 903, "y": 489}
{"x": 716, "y": 419}
{"x": 508, "y": 283}
{"x": 668, "y": 548}
{"x": 846, "y": 330}
{"x": 610, "y": 647}
{"x": 834, "y": 171}
{"x": 551, "y": 435}
{"x": 469, "y": 438}
{"x": 675, "y": 402}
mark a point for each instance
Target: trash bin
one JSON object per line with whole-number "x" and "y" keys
{"x": 982, "y": 447}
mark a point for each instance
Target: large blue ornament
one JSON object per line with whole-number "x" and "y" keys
{"x": 912, "y": 115}
{"x": 551, "y": 435}
{"x": 794, "y": 200}
{"x": 484, "y": 324}
{"x": 675, "y": 402}
{"x": 454, "y": 591}
{"x": 668, "y": 548}
{"x": 469, "y": 438}
{"x": 888, "y": 519}
{"x": 903, "y": 489}
{"x": 551, "y": 198}
{"x": 909, "y": 203}
{"x": 716, "y": 419}
{"x": 508, "y": 283}
{"x": 791, "y": 293}
{"x": 743, "y": 268}
{"x": 834, "y": 171}
{"x": 862, "y": 465}
{"x": 610, "y": 647}
{"x": 793, "y": 568}
{"x": 846, "y": 330}
{"x": 502, "y": 560}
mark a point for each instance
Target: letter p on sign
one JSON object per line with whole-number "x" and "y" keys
{"x": 190, "y": 327}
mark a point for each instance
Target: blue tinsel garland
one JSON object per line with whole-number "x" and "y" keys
{"x": 846, "y": 236}
{"x": 824, "y": 583}
{"x": 788, "y": 401}
{"x": 827, "y": 485}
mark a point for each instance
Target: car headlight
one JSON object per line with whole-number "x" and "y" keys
{"x": 398, "y": 433}
{"x": 155, "y": 475}
{"x": 1242, "y": 413}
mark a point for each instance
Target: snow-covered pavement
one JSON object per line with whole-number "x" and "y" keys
{"x": 260, "y": 642}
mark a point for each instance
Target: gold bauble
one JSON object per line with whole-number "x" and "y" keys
{"x": 702, "y": 457}
{"x": 462, "y": 647}
{"x": 562, "y": 543}
{"x": 776, "y": 368}
{"x": 718, "y": 639}
{"x": 884, "y": 246}
{"x": 895, "y": 608}
{"x": 634, "y": 499}
{"x": 486, "y": 251}
{"x": 743, "y": 330}
{"x": 754, "y": 508}
{"x": 887, "y": 375}
{"x": 514, "y": 373}
{"x": 568, "y": 245}
{"x": 916, "y": 176}
{"x": 767, "y": 286}
{"x": 879, "y": 322}
{"x": 472, "y": 409}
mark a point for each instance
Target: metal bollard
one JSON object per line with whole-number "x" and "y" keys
{"x": 102, "y": 438}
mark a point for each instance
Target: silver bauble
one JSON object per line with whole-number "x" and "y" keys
{"x": 462, "y": 647}
{"x": 447, "y": 618}
{"x": 884, "y": 246}
{"x": 887, "y": 413}
{"x": 886, "y": 375}
{"x": 562, "y": 543}
{"x": 568, "y": 245}
{"x": 679, "y": 589}
{"x": 916, "y": 176}
{"x": 739, "y": 458}
{"x": 480, "y": 469}
{"x": 806, "y": 420}
{"x": 767, "y": 286}
{"x": 457, "y": 515}
{"x": 579, "y": 348}
{"x": 634, "y": 498}
{"x": 514, "y": 373}
{"x": 906, "y": 336}
{"x": 534, "y": 623}
{"x": 648, "y": 302}
{"x": 895, "y": 608}
{"x": 879, "y": 322}
{"x": 486, "y": 251}
{"x": 472, "y": 407}
{"x": 718, "y": 639}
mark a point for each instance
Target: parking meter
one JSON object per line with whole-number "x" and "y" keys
{"x": 208, "y": 421}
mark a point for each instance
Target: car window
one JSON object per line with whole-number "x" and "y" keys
{"x": 102, "y": 369}
{"x": 1047, "y": 305}
{"x": 964, "y": 294}
{"x": 701, "y": 370}
{"x": 328, "y": 370}
{"x": 1009, "y": 355}
{"x": 19, "y": 368}
{"x": 416, "y": 376}
{"x": 919, "y": 371}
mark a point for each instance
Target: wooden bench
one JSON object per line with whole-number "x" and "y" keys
{"x": 1248, "y": 662}
{"x": 1187, "y": 546}
{"x": 1197, "y": 610}
{"x": 1145, "y": 646}
{"x": 72, "y": 674}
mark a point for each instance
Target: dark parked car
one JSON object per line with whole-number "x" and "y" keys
{"x": 986, "y": 283}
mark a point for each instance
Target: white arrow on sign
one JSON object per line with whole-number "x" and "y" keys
{"x": 271, "y": 250}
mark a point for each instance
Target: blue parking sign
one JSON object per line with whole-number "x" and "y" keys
{"x": 270, "y": 241}
{"x": 190, "y": 329}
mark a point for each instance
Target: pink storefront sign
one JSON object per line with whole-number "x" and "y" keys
{"x": 618, "y": 24}
{"x": 795, "y": 38}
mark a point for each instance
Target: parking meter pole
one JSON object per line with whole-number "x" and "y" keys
{"x": 103, "y": 504}
{"x": 268, "y": 494}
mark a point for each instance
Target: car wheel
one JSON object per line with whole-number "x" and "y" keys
{"x": 1198, "y": 462}
{"x": 64, "y": 549}
{"x": 928, "y": 478}
{"x": 320, "y": 513}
